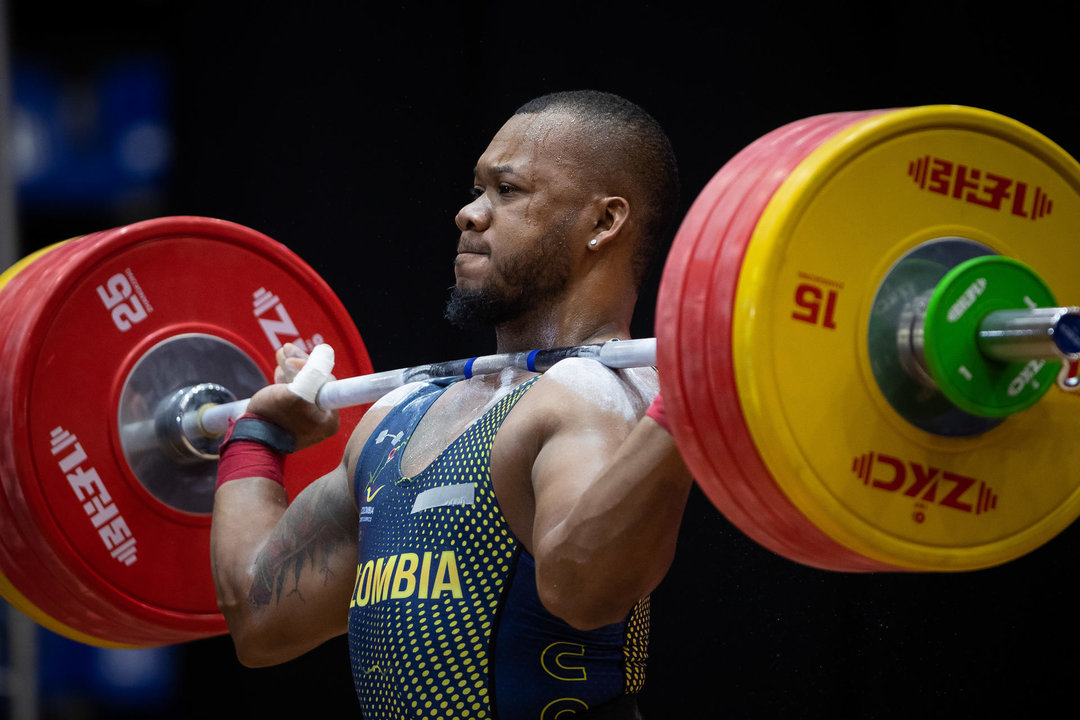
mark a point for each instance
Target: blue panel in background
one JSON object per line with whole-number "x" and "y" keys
{"x": 97, "y": 141}
{"x": 72, "y": 674}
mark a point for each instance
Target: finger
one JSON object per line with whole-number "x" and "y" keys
{"x": 290, "y": 350}
{"x": 290, "y": 359}
{"x": 286, "y": 372}
{"x": 314, "y": 374}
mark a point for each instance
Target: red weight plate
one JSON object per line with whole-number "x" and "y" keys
{"x": 731, "y": 194}
{"x": 694, "y": 351}
{"x": 694, "y": 428}
{"x": 61, "y": 603}
{"x": 90, "y": 317}
{"x": 762, "y": 517}
{"x": 759, "y": 490}
{"x": 39, "y": 559}
{"x": 26, "y": 583}
{"x": 762, "y": 514}
{"x": 58, "y": 602}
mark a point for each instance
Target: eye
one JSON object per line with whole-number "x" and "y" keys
{"x": 505, "y": 188}
{"x": 475, "y": 191}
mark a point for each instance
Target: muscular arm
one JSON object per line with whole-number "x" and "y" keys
{"x": 610, "y": 493}
{"x": 283, "y": 571}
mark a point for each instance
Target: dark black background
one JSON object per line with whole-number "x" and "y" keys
{"x": 348, "y": 131}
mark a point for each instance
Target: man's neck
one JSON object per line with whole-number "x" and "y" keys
{"x": 580, "y": 317}
{"x": 519, "y": 336}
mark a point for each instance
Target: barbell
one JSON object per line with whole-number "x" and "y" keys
{"x": 857, "y": 339}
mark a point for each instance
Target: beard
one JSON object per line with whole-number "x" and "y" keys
{"x": 519, "y": 284}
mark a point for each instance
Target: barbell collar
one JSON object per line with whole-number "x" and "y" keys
{"x": 174, "y": 426}
{"x": 991, "y": 335}
{"x": 1046, "y": 334}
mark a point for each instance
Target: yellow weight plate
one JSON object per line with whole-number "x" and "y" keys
{"x": 874, "y": 194}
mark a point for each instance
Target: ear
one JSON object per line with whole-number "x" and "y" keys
{"x": 611, "y": 216}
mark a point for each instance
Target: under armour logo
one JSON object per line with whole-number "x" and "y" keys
{"x": 394, "y": 439}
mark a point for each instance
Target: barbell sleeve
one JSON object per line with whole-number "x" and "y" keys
{"x": 1051, "y": 333}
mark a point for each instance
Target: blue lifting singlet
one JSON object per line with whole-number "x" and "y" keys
{"x": 445, "y": 620}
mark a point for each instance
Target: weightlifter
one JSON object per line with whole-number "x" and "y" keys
{"x": 511, "y": 527}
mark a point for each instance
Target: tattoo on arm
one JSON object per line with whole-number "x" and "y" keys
{"x": 317, "y": 524}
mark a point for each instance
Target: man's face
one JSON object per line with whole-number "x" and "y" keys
{"x": 517, "y": 235}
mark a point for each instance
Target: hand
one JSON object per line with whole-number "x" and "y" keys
{"x": 281, "y": 405}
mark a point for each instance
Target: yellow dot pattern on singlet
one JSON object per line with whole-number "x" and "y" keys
{"x": 424, "y": 656}
{"x": 635, "y": 651}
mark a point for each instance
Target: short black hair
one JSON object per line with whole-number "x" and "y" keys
{"x": 631, "y": 144}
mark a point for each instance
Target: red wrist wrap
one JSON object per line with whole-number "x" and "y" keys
{"x": 247, "y": 458}
{"x": 656, "y": 412}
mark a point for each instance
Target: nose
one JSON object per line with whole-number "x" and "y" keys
{"x": 474, "y": 216}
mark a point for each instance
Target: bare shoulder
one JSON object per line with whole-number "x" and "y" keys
{"x": 582, "y": 394}
{"x": 577, "y": 413}
{"x": 596, "y": 388}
